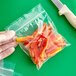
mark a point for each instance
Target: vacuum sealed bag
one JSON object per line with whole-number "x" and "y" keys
{"x": 37, "y": 35}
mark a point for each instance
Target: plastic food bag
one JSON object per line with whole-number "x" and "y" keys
{"x": 37, "y": 35}
{"x": 7, "y": 69}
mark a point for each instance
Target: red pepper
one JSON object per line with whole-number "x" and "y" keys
{"x": 23, "y": 39}
{"x": 42, "y": 44}
{"x": 38, "y": 48}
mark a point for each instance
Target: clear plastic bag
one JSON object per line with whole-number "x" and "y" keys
{"x": 38, "y": 36}
{"x": 7, "y": 69}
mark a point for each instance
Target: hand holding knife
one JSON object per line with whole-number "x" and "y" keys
{"x": 64, "y": 10}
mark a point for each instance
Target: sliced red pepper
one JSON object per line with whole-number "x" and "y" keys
{"x": 26, "y": 42}
{"x": 44, "y": 27}
{"x": 37, "y": 48}
{"x": 59, "y": 41}
{"x": 23, "y": 39}
{"x": 35, "y": 51}
{"x": 61, "y": 44}
{"x": 44, "y": 30}
{"x": 50, "y": 48}
{"x": 43, "y": 44}
{"x": 49, "y": 27}
{"x": 52, "y": 53}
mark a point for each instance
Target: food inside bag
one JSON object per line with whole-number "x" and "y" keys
{"x": 42, "y": 44}
{"x": 37, "y": 35}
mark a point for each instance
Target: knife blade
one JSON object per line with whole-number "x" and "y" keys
{"x": 64, "y": 10}
{"x": 58, "y": 4}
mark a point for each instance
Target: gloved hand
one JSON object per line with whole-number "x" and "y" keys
{"x": 7, "y": 43}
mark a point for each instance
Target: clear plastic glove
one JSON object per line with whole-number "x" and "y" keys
{"x": 7, "y": 43}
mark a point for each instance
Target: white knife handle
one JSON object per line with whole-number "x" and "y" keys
{"x": 69, "y": 15}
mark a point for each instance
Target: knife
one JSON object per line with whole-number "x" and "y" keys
{"x": 64, "y": 10}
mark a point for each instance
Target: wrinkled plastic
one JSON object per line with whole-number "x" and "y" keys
{"x": 7, "y": 69}
{"x": 34, "y": 21}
